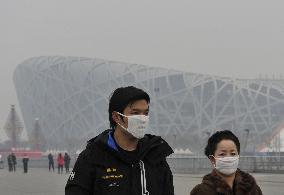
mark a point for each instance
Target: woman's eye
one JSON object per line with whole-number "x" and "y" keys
{"x": 222, "y": 154}
{"x": 233, "y": 154}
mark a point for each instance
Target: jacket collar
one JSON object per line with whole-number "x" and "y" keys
{"x": 151, "y": 147}
{"x": 243, "y": 182}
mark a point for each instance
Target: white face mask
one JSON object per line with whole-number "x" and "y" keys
{"x": 137, "y": 125}
{"x": 227, "y": 165}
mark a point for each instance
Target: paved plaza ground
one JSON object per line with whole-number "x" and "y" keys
{"x": 42, "y": 182}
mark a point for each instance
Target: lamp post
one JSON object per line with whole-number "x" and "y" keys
{"x": 207, "y": 134}
{"x": 175, "y": 140}
{"x": 174, "y": 145}
{"x": 246, "y": 138}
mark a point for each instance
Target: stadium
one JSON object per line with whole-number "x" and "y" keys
{"x": 70, "y": 97}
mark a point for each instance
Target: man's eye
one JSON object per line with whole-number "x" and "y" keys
{"x": 222, "y": 154}
{"x": 233, "y": 154}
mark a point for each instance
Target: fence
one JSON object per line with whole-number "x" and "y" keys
{"x": 192, "y": 164}
{"x": 261, "y": 164}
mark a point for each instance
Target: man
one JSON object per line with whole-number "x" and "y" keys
{"x": 25, "y": 163}
{"x": 67, "y": 160}
{"x": 14, "y": 162}
{"x": 10, "y": 162}
{"x": 123, "y": 160}
{"x": 50, "y": 162}
{"x": 1, "y": 162}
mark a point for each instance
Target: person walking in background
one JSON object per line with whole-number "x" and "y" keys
{"x": 66, "y": 162}
{"x": 60, "y": 163}
{"x": 25, "y": 163}
{"x": 1, "y": 162}
{"x": 223, "y": 150}
{"x": 50, "y": 162}
{"x": 14, "y": 162}
{"x": 10, "y": 162}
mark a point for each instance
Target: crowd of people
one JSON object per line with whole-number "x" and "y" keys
{"x": 62, "y": 161}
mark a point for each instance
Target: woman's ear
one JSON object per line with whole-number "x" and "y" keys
{"x": 212, "y": 160}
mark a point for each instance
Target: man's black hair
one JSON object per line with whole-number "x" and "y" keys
{"x": 122, "y": 97}
{"x": 218, "y": 137}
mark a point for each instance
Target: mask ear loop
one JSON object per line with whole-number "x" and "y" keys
{"x": 214, "y": 164}
{"x": 121, "y": 116}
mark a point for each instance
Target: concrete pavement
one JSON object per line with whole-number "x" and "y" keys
{"x": 41, "y": 182}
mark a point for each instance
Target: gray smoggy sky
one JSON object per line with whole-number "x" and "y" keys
{"x": 227, "y": 38}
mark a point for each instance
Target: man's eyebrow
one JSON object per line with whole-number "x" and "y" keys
{"x": 136, "y": 109}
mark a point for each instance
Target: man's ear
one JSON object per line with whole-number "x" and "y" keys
{"x": 115, "y": 117}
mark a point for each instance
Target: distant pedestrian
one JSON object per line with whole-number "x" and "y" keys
{"x": 60, "y": 163}
{"x": 14, "y": 162}
{"x": 10, "y": 162}
{"x": 67, "y": 162}
{"x": 50, "y": 162}
{"x": 25, "y": 163}
{"x": 1, "y": 162}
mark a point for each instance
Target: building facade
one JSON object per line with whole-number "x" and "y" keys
{"x": 70, "y": 97}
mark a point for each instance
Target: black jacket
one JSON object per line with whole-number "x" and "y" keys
{"x": 102, "y": 170}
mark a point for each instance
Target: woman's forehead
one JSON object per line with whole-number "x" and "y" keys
{"x": 226, "y": 145}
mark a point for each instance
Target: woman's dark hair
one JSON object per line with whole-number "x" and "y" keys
{"x": 218, "y": 137}
{"x": 122, "y": 97}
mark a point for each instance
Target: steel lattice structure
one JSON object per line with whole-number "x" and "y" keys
{"x": 70, "y": 97}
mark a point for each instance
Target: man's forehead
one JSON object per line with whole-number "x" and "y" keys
{"x": 138, "y": 108}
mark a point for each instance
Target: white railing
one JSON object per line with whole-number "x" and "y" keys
{"x": 193, "y": 164}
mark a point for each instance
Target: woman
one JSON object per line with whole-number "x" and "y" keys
{"x": 223, "y": 151}
{"x": 60, "y": 162}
